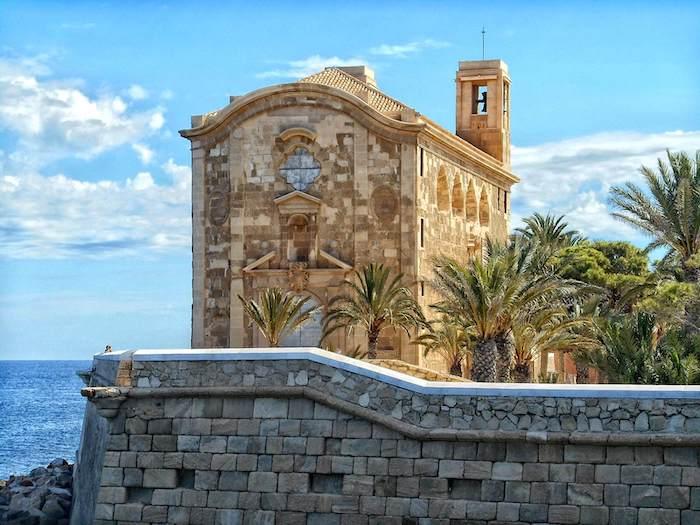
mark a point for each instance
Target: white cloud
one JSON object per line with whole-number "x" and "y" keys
{"x": 403, "y": 50}
{"x": 58, "y": 216}
{"x": 53, "y": 119}
{"x": 137, "y": 92}
{"x": 308, "y": 66}
{"x": 144, "y": 152}
{"x": 573, "y": 177}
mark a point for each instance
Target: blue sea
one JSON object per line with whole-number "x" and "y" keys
{"x": 41, "y": 413}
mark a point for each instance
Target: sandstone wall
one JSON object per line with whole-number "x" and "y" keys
{"x": 299, "y": 436}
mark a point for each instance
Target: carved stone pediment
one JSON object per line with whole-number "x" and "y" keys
{"x": 298, "y": 202}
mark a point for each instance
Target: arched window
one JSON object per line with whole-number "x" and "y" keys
{"x": 471, "y": 203}
{"x": 484, "y": 214}
{"x": 457, "y": 196}
{"x": 300, "y": 169}
{"x": 443, "y": 191}
{"x": 299, "y": 239}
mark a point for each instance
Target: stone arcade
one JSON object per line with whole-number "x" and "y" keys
{"x": 298, "y": 184}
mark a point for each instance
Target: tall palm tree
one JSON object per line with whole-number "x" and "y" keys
{"x": 449, "y": 340}
{"x": 376, "y": 301}
{"x": 670, "y": 212}
{"x": 487, "y": 297}
{"x": 278, "y": 313}
{"x": 547, "y": 234}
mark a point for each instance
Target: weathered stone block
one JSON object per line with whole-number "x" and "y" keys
{"x": 675, "y": 497}
{"x": 617, "y": 495}
{"x": 160, "y": 478}
{"x": 262, "y": 482}
{"x": 492, "y": 490}
{"x": 552, "y": 493}
{"x": 584, "y": 494}
{"x": 237, "y": 408}
{"x": 449, "y": 468}
{"x": 535, "y": 472}
{"x": 584, "y": 454}
{"x": 595, "y": 516}
{"x": 477, "y": 469}
{"x": 636, "y": 474}
{"x": 659, "y": 517}
{"x": 645, "y": 496}
{"x": 522, "y": 452}
{"x": 433, "y": 488}
{"x": 568, "y": 514}
{"x": 607, "y": 473}
{"x": 481, "y": 510}
{"x": 563, "y": 473}
{"x": 507, "y": 471}
{"x": 128, "y": 511}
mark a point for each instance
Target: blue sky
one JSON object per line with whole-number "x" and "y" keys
{"x": 94, "y": 179}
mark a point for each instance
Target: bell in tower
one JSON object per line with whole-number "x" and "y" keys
{"x": 483, "y": 106}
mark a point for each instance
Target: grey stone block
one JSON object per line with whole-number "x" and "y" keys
{"x": 551, "y": 453}
{"x": 433, "y": 487}
{"x": 453, "y": 509}
{"x": 450, "y": 468}
{"x": 400, "y": 467}
{"x": 155, "y": 514}
{"x": 517, "y": 491}
{"x": 617, "y": 495}
{"x": 584, "y": 494}
{"x": 206, "y": 479}
{"x": 595, "y": 516}
{"x": 645, "y": 495}
{"x": 607, "y": 474}
{"x": 262, "y": 482}
{"x": 464, "y": 489}
{"x": 237, "y": 481}
{"x": 426, "y": 467}
{"x": 659, "y": 517}
{"x": 564, "y": 473}
{"x": 585, "y": 473}
{"x": 128, "y": 511}
{"x": 360, "y": 447}
{"x": 419, "y": 508}
{"x": 166, "y": 497}
{"x": 372, "y": 505}
{"x": 238, "y": 408}
{"x": 213, "y": 444}
{"x": 196, "y": 460}
{"x": 477, "y": 469}
{"x": 481, "y": 510}
{"x": 111, "y": 495}
{"x": 619, "y": 455}
{"x": 673, "y": 497}
{"x": 377, "y": 466}
{"x": 508, "y": 511}
{"x": 533, "y": 512}
{"x": 492, "y": 490}
{"x": 690, "y": 517}
{"x": 407, "y": 487}
{"x": 112, "y": 477}
{"x": 207, "y": 407}
{"x": 637, "y": 474}
{"x": 507, "y": 471}
{"x": 682, "y": 456}
{"x": 491, "y": 451}
{"x": 522, "y": 452}
{"x": 438, "y": 449}
{"x": 584, "y": 454}
{"x": 690, "y": 476}
{"x": 623, "y": 516}
{"x": 535, "y": 472}
{"x": 268, "y": 407}
{"x": 293, "y": 482}
{"x": 398, "y": 506}
{"x": 567, "y": 514}
{"x": 548, "y": 492}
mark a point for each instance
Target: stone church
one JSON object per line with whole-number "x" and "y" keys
{"x": 296, "y": 185}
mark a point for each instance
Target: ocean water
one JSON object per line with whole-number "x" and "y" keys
{"x": 41, "y": 413}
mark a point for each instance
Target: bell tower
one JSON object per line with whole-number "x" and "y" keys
{"x": 483, "y": 106}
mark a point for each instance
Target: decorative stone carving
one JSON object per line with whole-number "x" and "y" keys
{"x": 218, "y": 208}
{"x": 298, "y": 276}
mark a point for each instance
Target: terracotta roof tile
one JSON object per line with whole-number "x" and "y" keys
{"x": 334, "y": 77}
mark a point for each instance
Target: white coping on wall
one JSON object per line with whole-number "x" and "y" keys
{"x": 408, "y": 382}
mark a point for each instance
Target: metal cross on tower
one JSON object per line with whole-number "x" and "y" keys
{"x": 483, "y": 43}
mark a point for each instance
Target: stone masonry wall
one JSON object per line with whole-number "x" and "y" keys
{"x": 298, "y": 441}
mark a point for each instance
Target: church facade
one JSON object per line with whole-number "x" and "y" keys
{"x": 296, "y": 185}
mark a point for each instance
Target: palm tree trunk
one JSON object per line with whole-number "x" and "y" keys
{"x": 484, "y": 363}
{"x": 522, "y": 372}
{"x": 456, "y": 368}
{"x": 372, "y": 339}
{"x": 582, "y": 374}
{"x": 506, "y": 353}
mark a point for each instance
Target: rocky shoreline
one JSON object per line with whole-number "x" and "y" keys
{"x": 42, "y": 497}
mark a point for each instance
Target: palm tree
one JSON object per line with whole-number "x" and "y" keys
{"x": 670, "y": 215}
{"x": 547, "y": 234}
{"x": 376, "y": 301}
{"x": 278, "y": 313}
{"x": 548, "y": 330}
{"x": 450, "y": 341}
{"x": 486, "y": 297}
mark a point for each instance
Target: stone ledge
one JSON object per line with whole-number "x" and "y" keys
{"x": 410, "y": 383}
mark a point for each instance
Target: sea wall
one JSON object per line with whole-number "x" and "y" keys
{"x": 303, "y": 435}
